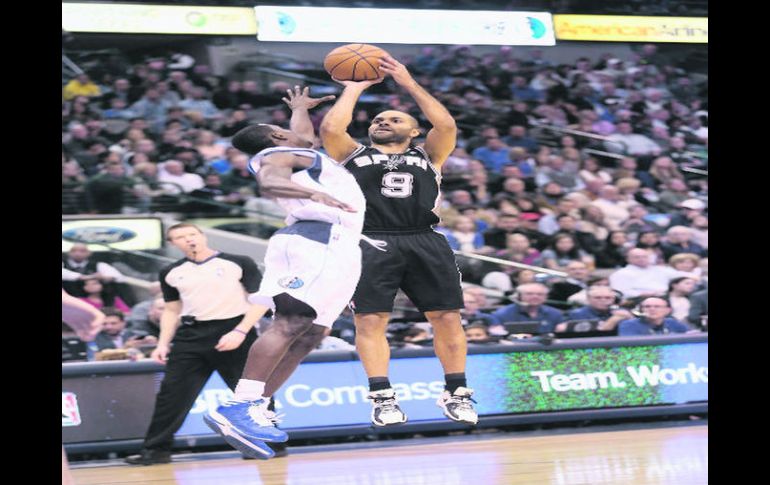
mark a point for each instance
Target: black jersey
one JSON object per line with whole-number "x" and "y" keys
{"x": 401, "y": 190}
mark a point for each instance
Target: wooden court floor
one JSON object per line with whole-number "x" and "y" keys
{"x": 658, "y": 456}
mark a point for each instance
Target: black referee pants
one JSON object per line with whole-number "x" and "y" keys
{"x": 191, "y": 362}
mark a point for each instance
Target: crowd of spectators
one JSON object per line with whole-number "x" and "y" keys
{"x": 595, "y": 169}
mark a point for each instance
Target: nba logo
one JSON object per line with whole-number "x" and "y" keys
{"x": 70, "y": 414}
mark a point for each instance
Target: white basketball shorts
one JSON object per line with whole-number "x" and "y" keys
{"x": 315, "y": 262}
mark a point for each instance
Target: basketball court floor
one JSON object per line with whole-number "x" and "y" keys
{"x": 671, "y": 453}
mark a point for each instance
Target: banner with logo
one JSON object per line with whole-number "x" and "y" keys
{"x": 334, "y": 393}
{"x": 618, "y": 28}
{"x": 128, "y": 234}
{"x": 157, "y": 19}
{"x": 403, "y": 26}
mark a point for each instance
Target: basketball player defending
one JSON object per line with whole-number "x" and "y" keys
{"x": 401, "y": 183}
{"x": 311, "y": 267}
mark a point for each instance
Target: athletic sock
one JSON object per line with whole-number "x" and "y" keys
{"x": 378, "y": 383}
{"x": 248, "y": 390}
{"x": 453, "y": 381}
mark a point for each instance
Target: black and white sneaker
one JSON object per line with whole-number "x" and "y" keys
{"x": 459, "y": 405}
{"x": 385, "y": 410}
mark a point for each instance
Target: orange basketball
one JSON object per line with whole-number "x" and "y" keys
{"x": 354, "y": 62}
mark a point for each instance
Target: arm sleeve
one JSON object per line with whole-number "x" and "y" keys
{"x": 169, "y": 292}
{"x": 251, "y": 276}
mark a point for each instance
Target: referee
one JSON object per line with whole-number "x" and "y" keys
{"x": 208, "y": 290}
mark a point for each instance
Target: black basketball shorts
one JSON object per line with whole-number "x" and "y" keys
{"x": 421, "y": 263}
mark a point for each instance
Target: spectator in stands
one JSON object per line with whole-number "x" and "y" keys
{"x": 519, "y": 249}
{"x": 228, "y": 97}
{"x": 463, "y": 235}
{"x": 208, "y": 146}
{"x": 678, "y": 240}
{"x": 650, "y": 240}
{"x": 114, "y": 334}
{"x": 494, "y": 154}
{"x": 639, "y": 279}
{"x": 471, "y": 312}
{"x": 529, "y": 306}
{"x": 239, "y": 180}
{"x": 678, "y": 295}
{"x": 196, "y": 102}
{"x": 549, "y": 195}
{"x": 591, "y": 220}
{"x": 558, "y": 172}
{"x": 699, "y": 309}
{"x": 496, "y": 237}
{"x": 548, "y": 224}
{"x": 673, "y": 195}
{"x": 81, "y": 85}
{"x": 105, "y": 192}
{"x": 614, "y": 209}
{"x": 567, "y": 224}
{"x": 700, "y": 231}
{"x": 477, "y": 333}
{"x": 591, "y": 170}
{"x": 151, "y": 107}
{"x": 686, "y": 264}
{"x": 602, "y": 304}
{"x": 626, "y": 142}
{"x": 563, "y": 249}
{"x": 78, "y": 266}
{"x": 520, "y": 158}
{"x": 689, "y": 210}
{"x": 655, "y": 320}
{"x": 99, "y": 296}
{"x": 517, "y": 137}
{"x": 637, "y": 223}
{"x": 178, "y": 181}
{"x": 235, "y": 122}
{"x": 663, "y": 170}
{"x": 575, "y": 281}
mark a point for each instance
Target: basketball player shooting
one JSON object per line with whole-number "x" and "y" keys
{"x": 311, "y": 267}
{"x": 401, "y": 183}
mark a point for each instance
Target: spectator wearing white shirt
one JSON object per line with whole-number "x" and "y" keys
{"x": 77, "y": 266}
{"x": 627, "y": 142}
{"x": 614, "y": 209}
{"x": 638, "y": 278}
{"x": 172, "y": 172}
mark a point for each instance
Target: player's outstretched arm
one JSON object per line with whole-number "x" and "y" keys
{"x": 274, "y": 178}
{"x": 441, "y": 139}
{"x": 300, "y": 102}
{"x": 333, "y": 131}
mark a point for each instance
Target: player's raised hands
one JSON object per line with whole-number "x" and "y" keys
{"x": 300, "y": 98}
{"x": 395, "y": 69}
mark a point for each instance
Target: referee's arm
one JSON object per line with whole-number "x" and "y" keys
{"x": 169, "y": 321}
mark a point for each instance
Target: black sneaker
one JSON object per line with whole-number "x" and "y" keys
{"x": 149, "y": 457}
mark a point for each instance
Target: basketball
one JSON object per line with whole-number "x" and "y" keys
{"x": 354, "y": 62}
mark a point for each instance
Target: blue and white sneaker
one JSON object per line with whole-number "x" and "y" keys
{"x": 248, "y": 448}
{"x": 245, "y": 425}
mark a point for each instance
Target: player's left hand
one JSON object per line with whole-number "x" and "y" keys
{"x": 397, "y": 71}
{"x": 300, "y": 98}
{"x": 230, "y": 341}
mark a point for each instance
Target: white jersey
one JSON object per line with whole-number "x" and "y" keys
{"x": 324, "y": 175}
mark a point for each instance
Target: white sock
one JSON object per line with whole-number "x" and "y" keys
{"x": 248, "y": 390}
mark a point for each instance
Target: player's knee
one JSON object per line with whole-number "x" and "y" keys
{"x": 444, "y": 317}
{"x": 310, "y": 339}
{"x": 371, "y": 324}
